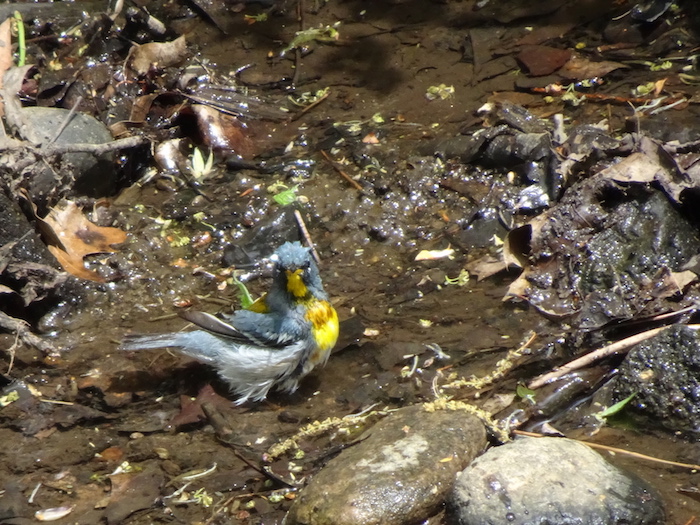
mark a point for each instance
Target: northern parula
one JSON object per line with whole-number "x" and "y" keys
{"x": 277, "y": 341}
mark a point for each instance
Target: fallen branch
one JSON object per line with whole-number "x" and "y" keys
{"x": 23, "y": 331}
{"x": 618, "y": 347}
{"x": 59, "y": 149}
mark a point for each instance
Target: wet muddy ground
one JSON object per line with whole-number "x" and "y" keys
{"x": 100, "y": 409}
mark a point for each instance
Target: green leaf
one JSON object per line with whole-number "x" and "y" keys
{"x": 286, "y": 197}
{"x": 617, "y": 407}
{"x": 243, "y": 294}
{"x": 525, "y": 393}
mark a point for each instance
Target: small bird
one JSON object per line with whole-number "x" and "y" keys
{"x": 277, "y": 341}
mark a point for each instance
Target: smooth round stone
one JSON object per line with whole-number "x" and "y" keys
{"x": 550, "y": 481}
{"x": 401, "y": 473}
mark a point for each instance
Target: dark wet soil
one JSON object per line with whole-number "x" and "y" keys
{"x": 125, "y": 409}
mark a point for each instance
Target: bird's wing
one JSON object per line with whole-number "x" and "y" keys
{"x": 245, "y": 327}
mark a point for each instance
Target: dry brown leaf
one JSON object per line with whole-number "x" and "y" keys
{"x": 75, "y": 266}
{"x": 77, "y": 237}
{"x": 650, "y": 164}
{"x": 223, "y": 133}
{"x": 132, "y": 492}
{"x": 5, "y": 47}
{"x": 542, "y": 60}
{"x": 142, "y": 105}
{"x": 518, "y": 288}
{"x": 638, "y": 167}
{"x": 659, "y": 86}
{"x": 157, "y": 55}
{"x": 580, "y": 68}
{"x": 674, "y": 283}
{"x": 486, "y": 266}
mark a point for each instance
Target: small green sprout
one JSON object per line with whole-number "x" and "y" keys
{"x": 252, "y": 19}
{"x": 125, "y": 468}
{"x": 199, "y": 217}
{"x": 275, "y": 497}
{"x": 199, "y": 168}
{"x": 441, "y": 92}
{"x": 21, "y": 42}
{"x": 174, "y": 238}
{"x": 320, "y": 34}
{"x": 689, "y": 79}
{"x": 572, "y": 97}
{"x": 525, "y": 394}
{"x": 662, "y": 66}
{"x": 11, "y": 397}
{"x": 244, "y": 296}
{"x": 644, "y": 89}
{"x": 377, "y": 118}
{"x": 177, "y": 241}
{"x": 202, "y": 498}
{"x": 308, "y": 97}
{"x": 461, "y": 280}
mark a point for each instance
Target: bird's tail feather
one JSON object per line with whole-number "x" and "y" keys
{"x": 250, "y": 370}
{"x": 198, "y": 344}
{"x": 148, "y": 342}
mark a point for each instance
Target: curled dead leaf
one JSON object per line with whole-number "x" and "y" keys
{"x": 71, "y": 236}
{"x": 157, "y": 55}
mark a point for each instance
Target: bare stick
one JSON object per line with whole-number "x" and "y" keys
{"x": 65, "y": 122}
{"x": 307, "y": 237}
{"x": 618, "y": 451}
{"x": 21, "y": 328}
{"x": 58, "y": 149}
{"x": 312, "y": 105}
{"x": 95, "y": 149}
{"x": 297, "y": 50}
{"x": 341, "y": 172}
{"x": 618, "y": 347}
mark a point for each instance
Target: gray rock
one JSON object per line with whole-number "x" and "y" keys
{"x": 399, "y": 474}
{"x": 664, "y": 372}
{"x": 84, "y": 173}
{"x": 550, "y": 481}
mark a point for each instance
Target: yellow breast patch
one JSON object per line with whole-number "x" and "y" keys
{"x": 324, "y": 324}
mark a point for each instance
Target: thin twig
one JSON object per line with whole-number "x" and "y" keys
{"x": 22, "y": 329}
{"x": 618, "y": 451}
{"x": 58, "y": 149}
{"x": 347, "y": 177}
{"x": 226, "y": 435}
{"x": 222, "y": 429}
{"x": 618, "y": 347}
{"x": 297, "y": 50}
{"x": 311, "y": 106}
{"x": 95, "y": 149}
{"x": 65, "y": 122}
{"x": 12, "y": 351}
{"x": 307, "y": 236}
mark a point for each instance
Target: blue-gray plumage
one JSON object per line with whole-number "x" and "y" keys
{"x": 278, "y": 341}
